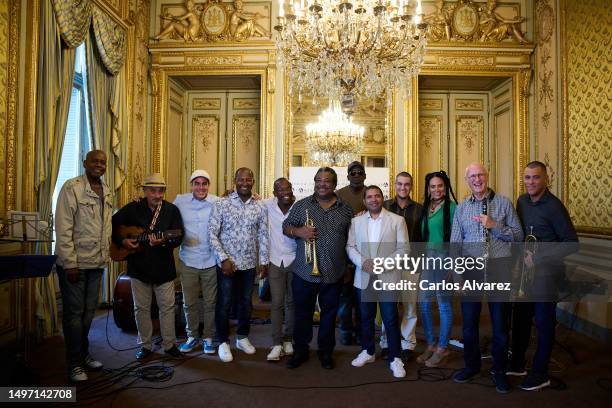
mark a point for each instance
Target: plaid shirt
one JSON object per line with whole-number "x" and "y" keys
{"x": 508, "y": 227}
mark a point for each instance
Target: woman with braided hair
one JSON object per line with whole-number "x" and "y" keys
{"x": 436, "y": 224}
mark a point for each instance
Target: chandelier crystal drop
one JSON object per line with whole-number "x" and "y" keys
{"x": 345, "y": 50}
{"x": 334, "y": 140}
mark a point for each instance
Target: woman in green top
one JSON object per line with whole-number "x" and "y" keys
{"x": 436, "y": 223}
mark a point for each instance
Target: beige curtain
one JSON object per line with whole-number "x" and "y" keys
{"x": 110, "y": 39}
{"x": 108, "y": 102}
{"x": 73, "y": 18}
{"x": 55, "y": 77}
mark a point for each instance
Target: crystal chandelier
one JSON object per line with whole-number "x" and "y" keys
{"x": 344, "y": 50}
{"x": 334, "y": 140}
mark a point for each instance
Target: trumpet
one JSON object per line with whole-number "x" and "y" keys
{"x": 531, "y": 243}
{"x": 310, "y": 248}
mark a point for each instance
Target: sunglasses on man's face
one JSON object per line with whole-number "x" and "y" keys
{"x": 357, "y": 173}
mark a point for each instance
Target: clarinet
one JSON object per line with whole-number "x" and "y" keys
{"x": 485, "y": 237}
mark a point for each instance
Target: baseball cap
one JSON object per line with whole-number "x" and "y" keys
{"x": 199, "y": 173}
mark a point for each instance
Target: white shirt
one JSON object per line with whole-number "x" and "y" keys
{"x": 374, "y": 227}
{"x": 282, "y": 248}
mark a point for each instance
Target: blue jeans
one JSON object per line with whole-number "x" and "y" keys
{"x": 445, "y": 307}
{"x": 545, "y": 320}
{"x": 388, "y": 311}
{"x": 79, "y": 302}
{"x": 348, "y": 302}
{"x": 304, "y": 299}
{"x": 500, "y": 313}
{"x": 241, "y": 285}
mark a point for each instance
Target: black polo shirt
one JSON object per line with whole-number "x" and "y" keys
{"x": 153, "y": 264}
{"x": 411, "y": 214}
{"x": 548, "y": 220}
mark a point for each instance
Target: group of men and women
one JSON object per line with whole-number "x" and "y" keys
{"x": 225, "y": 242}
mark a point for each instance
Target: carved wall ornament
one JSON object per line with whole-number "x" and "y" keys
{"x": 545, "y": 21}
{"x": 469, "y": 104}
{"x": 433, "y": 104}
{"x": 245, "y": 103}
{"x": 549, "y": 170}
{"x": 215, "y": 21}
{"x": 470, "y": 129}
{"x": 468, "y": 21}
{"x": 206, "y": 103}
{"x": 246, "y": 130}
{"x": 525, "y": 82}
{"x": 465, "y": 19}
{"x": 215, "y": 60}
{"x": 186, "y": 26}
{"x": 204, "y": 128}
{"x": 429, "y": 128}
{"x": 137, "y": 175}
{"x": 460, "y": 60}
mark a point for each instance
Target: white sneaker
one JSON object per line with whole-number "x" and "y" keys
{"x": 225, "y": 354}
{"x": 397, "y": 366}
{"x": 77, "y": 374}
{"x": 92, "y": 364}
{"x": 245, "y": 345}
{"x": 362, "y": 359}
{"x": 288, "y": 348}
{"x": 276, "y": 353}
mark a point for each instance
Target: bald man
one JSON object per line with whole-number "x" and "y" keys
{"x": 489, "y": 222}
{"x": 83, "y": 232}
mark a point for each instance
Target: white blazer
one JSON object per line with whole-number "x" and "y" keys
{"x": 394, "y": 240}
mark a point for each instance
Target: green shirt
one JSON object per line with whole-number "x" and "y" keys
{"x": 435, "y": 223}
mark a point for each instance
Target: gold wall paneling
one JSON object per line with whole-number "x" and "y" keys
{"x": 452, "y": 135}
{"x": 502, "y": 133}
{"x": 587, "y": 126}
{"x": 10, "y": 15}
{"x": 518, "y": 72}
{"x": 207, "y": 137}
{"x": 191, "y": 63}
{"x": 547, "y": 111}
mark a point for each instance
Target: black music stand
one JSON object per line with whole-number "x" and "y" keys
{"x": 20, "y": 267}
{"x": 26, "y": 266}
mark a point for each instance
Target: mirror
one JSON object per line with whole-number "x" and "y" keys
{"x": 373, "y": 115}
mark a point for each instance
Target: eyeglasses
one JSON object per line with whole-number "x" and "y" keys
{"x": 476, "y": 176}
{"x": 357, "y": 173}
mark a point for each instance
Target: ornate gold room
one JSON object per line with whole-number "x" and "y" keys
{"x": 173, "y": 86}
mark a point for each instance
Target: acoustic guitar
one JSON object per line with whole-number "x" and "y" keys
{"x": 138, "y": 234}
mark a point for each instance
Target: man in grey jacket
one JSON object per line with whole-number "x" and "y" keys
{"x": 83, "y": 233}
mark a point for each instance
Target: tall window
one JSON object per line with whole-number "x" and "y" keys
{"x": 77, "y": 141}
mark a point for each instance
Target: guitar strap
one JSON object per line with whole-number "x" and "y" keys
{"x": 155, "y": 215}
